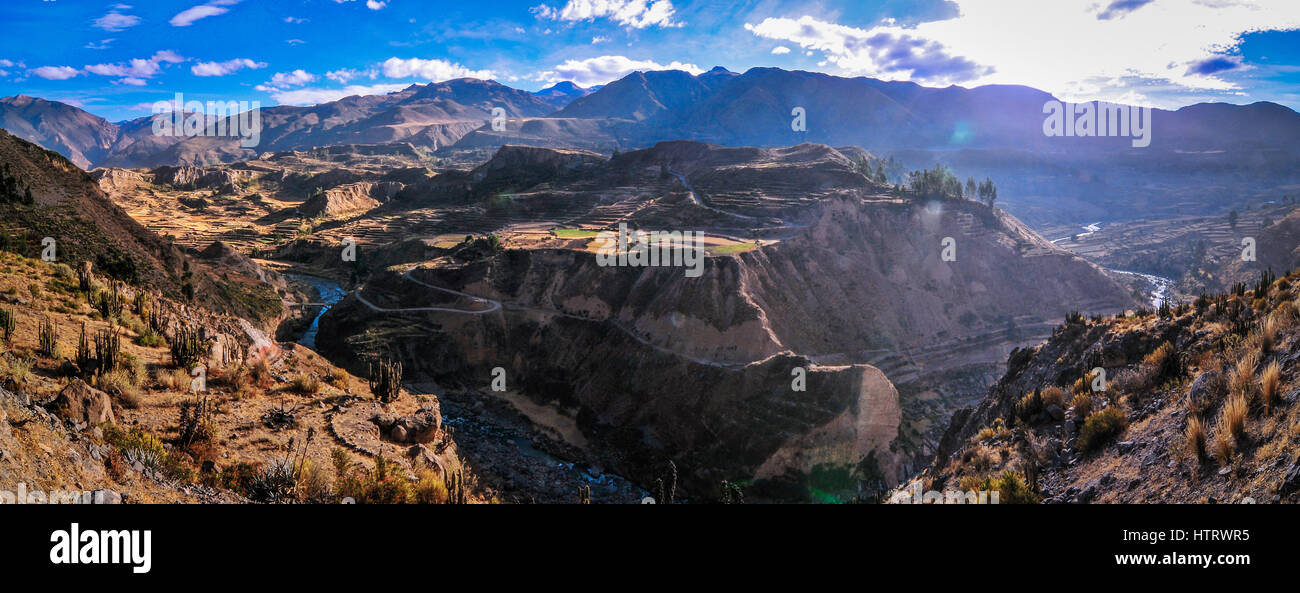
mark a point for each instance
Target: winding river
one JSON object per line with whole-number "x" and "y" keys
{"x": 330, "y": 293}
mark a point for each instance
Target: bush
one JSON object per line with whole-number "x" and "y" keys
{"x": 119, "y": 383}
{"x": 383, "y": 484}
{"x": 196, "y": 423}
{"x": 1242, "y": 379}
{"x": 430, "y": 489}
{"x": 173, "y": 379}
{"x": 305, "y": 385}
{"x": 1163, "y": 362}
{"x": 1101, "y": 427}
{"x": 149, "y": 339}
{"x": 1082, "y": 404}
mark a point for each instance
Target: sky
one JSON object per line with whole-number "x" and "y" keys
{"x": 117, "y": 59}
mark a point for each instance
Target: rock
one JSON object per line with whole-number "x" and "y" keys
{"x": 1291, "y": 481}
{"x": 1205, "y": 387}
{"x": 1056, "y": 412}
{"x": 420, "y": 427}
{"x": 1126, "y": 446}
{"x": 103, "y": 496}
{"x": 1068, "y": 427}
{"x": 81, "y": 403}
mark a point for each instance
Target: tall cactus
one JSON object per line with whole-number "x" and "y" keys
{"x": 385, "y": 379}
{"x": 84, "y": 357}
{"x": 108, "y": 349}
{"x": 48, "y": 339}
{"x": 140, "y": 305}
{"x": 456, "y": 492}
{"x": 188, "y": 348}
{"x": 7, "y": 323}
{"x": 84, "y": 276}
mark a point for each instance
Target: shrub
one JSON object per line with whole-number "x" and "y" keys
{"x": 173, "y": 379}
{"x": 1053, "y": 395}
{"x": 305, "y": 385}
{"x": 12, "y": 367}
{"x": 149, "y": 338}
{"x": 119, "y": 383}
{"x": 1082, "y": 404}
{"x": 430, "y": 489}
{"x": 382, "y": 484}
{"x": 1163, "y": 361}
{"x": 1101, "y": 427}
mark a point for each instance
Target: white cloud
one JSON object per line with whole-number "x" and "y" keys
{"x": 637, "y": 14}
{"x": 314, "y": 96}
{"x": 101, "y": 45}
{"x": 187, "y": 17}
{"x": 116, "y": 21}
{"x": 599, "y": 39}
{"x": 56, "y": 72}
{"x": 1076, "y": 49}
{"x": 780, "y": 50}
{"x": 224, "y": 68}
{"x": 293, "y": 20}
{"x": 435, "y": 70}
{"x": 136, "y": 69}
{"x": 345, "y": 75}
{"x": 284, "y": 80}
{"x": 375, "y": 5}
{"x": 133, "y": 81}
{"x": 604, "y": 69}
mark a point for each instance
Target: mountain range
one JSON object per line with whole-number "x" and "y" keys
{"x": 756, "y": 108}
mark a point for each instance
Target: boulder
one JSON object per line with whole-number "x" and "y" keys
{"x": 420, "y": 427}
{"x": 83, "y": 404}
{"x": 1205, "y": 388}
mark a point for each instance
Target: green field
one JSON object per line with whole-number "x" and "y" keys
{"x": 573, "y": 233}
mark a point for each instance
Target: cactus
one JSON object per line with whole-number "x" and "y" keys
{"x": 7, "y": 322}
{"x": 84, "y": 358}
{"x": 584, "y": 494}
{"x": 385, "y": 380}
{"x": 108, "y": 349}
{"x": 188, "y": 348}
{"x": 84, "y": 276}
{"x": 140, "y": 305}
{"x": 109, "y": 302}
{"x": 48, "y": 339}
{"x": 456, "y": 492}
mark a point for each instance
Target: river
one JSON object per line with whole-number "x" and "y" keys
{"x": 1158, "y": 287}
{"x": 330, "y": 293}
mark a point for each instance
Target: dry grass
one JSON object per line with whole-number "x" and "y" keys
{"x": 1053, "y": 395}
{"x": 173, "y": 379}
{"x": 1223, "y": 448}
{"x": 1232, "y": 420}
{"x": 1194, "y": 437}
{"x": 430, "y": 489}
{"x": 1270, "y": 386}
{"x": 305, "y": 385}
{"x": 1242, "y": 379}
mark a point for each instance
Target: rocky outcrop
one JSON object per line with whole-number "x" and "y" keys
{"x": 84, "y": 405}
{"x": 419, "y": 427}
{"x": 348, "y": 199}
{"x": 186, "y": 177}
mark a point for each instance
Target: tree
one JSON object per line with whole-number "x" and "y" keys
{"x": 988, "y": 192}
{"x": 1232, "y": 219}
{"x": 970, "y": 186}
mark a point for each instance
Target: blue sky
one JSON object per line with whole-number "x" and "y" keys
{"x": 116, "y": 59}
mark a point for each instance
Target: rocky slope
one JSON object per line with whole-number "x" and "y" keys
{"x": 1198, "y": 404}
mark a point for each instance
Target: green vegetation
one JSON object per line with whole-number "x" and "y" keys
{"x": 573, "y": 233}
{"x": 733, "y": 248}
{"x": 1101, "y": 427}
